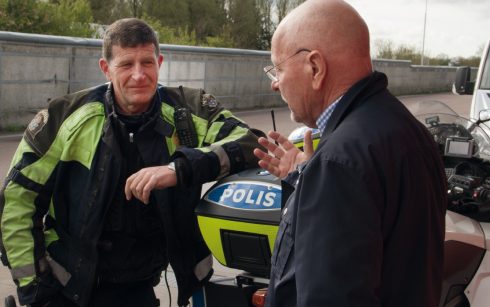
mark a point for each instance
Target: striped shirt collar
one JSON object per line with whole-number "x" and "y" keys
{"x": 321, "y": 122}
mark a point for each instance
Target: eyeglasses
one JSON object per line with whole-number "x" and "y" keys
{"x": 271, "y": 70}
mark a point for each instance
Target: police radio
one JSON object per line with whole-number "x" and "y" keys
{"x": 186, "y": 131}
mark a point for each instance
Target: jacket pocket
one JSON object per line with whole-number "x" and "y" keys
{"x": 284, "y": 244}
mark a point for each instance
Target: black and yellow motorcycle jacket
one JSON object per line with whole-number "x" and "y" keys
{"x": 64, "y": 175}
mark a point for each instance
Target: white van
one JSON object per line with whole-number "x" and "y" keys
{"x": 480, "y": 89}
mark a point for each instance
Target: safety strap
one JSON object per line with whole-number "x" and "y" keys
{"x": 16, "y": 176}
{"x": 229, "y": 124}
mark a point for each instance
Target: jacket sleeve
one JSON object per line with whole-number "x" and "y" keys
{"x": 24, "y": 200}
{"x": 226, "y": 144}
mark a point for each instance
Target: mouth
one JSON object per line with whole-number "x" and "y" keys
{"x": 143, "y": 88}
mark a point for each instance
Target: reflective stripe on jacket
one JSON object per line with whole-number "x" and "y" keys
{"x": 66, "y": 167}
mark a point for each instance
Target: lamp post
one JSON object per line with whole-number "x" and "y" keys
{"x": 423, "y": 39}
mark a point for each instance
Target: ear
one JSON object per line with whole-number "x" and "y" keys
{"x": 319, "y": 68}
{"x": 160, "y": 60}
{"x": 104, "y": 67}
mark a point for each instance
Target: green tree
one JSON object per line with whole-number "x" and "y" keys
{"x": 168, "y": 35}
{"x": 174, "y": 14}
{"x": 244, "y": 24}
{"x": 135, "y": 8}
{"x": 406, "y": 52}
{"x": 266, "y": 25}
{"x": 384, "y": 49}
{"x": 22, "y": 16}
{"x": 441, "y": 59}
{"x": 283, "y": 7}
{"x": 472, "y": 61}
{"x": 103, "y": 11}
{"x": 207, "y": 18}
{"x": 70, "y": 17}
{"x": 62, "y": 17}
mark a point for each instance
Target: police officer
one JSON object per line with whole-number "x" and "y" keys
{"x": 101, "y": 192}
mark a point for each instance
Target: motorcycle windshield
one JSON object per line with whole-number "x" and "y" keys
{"x": 444, "y": 123}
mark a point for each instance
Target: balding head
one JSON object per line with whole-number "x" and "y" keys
{"x": 337, "y": 32}
{"x": 327, "y": 25}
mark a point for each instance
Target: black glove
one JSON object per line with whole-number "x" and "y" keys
{"x": 40, "y": 292}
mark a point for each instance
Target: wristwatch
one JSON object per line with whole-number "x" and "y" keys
{"x": 171, "y": 166}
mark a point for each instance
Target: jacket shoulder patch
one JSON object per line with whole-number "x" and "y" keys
{"x": 37, "y": 123}
{"x": 209, "y": 100}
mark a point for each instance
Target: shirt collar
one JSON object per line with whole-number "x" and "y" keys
{"x": 321, "y": 122}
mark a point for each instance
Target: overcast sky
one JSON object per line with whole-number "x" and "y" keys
{"x": 454, "y": 27}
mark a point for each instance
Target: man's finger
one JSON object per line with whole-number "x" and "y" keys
{"x": 127, "y": 187}
{"x": 308, "y": 143}
{"x": 259, "y": 153}
{"x": 283, "y": 141}
{"x": 268, "y": 144}
{"x": 147, "y": 190}
{"x": 269, "y": 167}
{"x": 139, "y": 189}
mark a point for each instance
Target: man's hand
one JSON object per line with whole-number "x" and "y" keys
{"x": 283, "y": 158}
{"x": 141, "y": 183}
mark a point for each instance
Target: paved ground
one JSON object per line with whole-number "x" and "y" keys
{"x": 260, "y": 119}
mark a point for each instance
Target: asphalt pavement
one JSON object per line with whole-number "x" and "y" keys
{"x": 260, "y": 119}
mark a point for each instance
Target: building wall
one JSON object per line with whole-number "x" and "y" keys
{"x": 36, "y": 68}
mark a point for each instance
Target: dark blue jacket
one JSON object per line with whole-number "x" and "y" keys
{"x": 365, "y": 225}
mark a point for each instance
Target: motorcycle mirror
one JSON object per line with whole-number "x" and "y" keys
{"x": 484, "y": 115}
{"x": 462, "y": 84}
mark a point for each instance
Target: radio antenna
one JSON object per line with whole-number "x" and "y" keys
{"x": 274, "y": 123}
{"x": 273, "y": 120}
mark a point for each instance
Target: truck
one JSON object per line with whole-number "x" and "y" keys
{"x": 479, "y": 88}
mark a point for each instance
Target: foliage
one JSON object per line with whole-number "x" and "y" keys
{"x": 22, "y": 16}
{"x": 70, "y": 17}
{"x": 63, "y": 17}
{"x": 245, "y": 24}
{"x": 168, "y": 35}
{"x": 174, "y": 14}
{"x": 218, "y": 23}
{"x": 206, "y": 18}
{"x": 267, "y": 26}
{"x": 244, "y": 27}
{"x": 386, "y": 49}
{"x": 283, "y": 7}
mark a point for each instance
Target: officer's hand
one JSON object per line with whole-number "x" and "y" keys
{"x": 283, "y": 158}
{"x": 141, "y": 183}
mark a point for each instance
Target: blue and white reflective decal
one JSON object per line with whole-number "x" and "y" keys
{"x": 246, "y": 195}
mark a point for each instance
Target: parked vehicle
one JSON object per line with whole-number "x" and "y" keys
{"x": 479, "y": 88}
{"x": 465, "y": 148}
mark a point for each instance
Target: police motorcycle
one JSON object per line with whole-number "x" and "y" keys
{"x": 239, "y": 217}
{"x": 465, "y": 149}
{"x": 240, "y": 214}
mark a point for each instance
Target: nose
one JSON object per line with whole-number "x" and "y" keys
{"x": 138, "y": 72}
{"x": 275, "y": 86}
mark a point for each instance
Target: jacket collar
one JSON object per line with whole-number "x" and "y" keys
{"x": 159, "y": 125}
{"x": 364, "y": 88}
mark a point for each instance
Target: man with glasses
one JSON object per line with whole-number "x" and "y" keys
{"x": 365, "y": 223}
